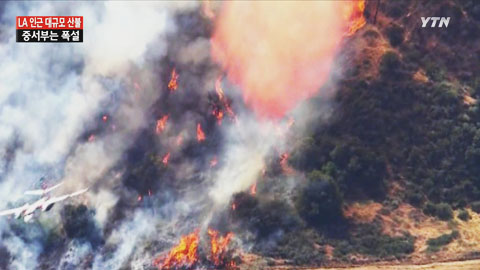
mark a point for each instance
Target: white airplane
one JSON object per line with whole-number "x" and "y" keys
{"x": 45, "y": 204}
{"x": 41, "y": 192}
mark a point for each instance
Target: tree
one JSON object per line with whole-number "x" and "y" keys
{"x": 390, "y": 64}
{"x": 320, "y": 201}
{"x": 395, "y": 34}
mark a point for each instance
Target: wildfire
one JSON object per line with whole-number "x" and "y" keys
{"x": 182, "y": 255}
{"x": 161, "y": 124}
{"x": 284, "y": 164}
{"x": 172, "y": 84}
{"x": 218, "y": 113}
{"x": 218, "y": 89}
{"x": 218, "y": 246}
{"x": 354, "y": 13}
{"x": 253, "y": 189}
{"x": 139, "y": 198}
{"x": 91, "y": 138}
{"x": 104, "y": 118}
{"x": 277, "y": 52}
{"x": 179, "y": 139}
{"x": 200, "y": 133}
{"x": 185, "y": 254}
{"x": 213, "y": 162}
{"x": 165, "y": 159}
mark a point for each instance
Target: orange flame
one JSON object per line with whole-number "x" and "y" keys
{"x": 184, "y": 254}
{"x": 200, "y": 133}
{"x": 91, "y": 138}
{"x": 218, "y": 246}
{"x": 104, "y": 118}
{"x": 253, "y": 189}
{"x": 277, "y": 52}
{"x": 218, "y": 88}
{"x": 354, "y": 13}
{"x": 213, "y": 162}
{"x": 165, "y": 159}
{"x": 172, "y": 84}
{"x": 179, "y": 139}
{"x": 161, "y": 124}
{"x": 218, "y": 113}
{"x": 223, "y": 99}
{"x": 284, "y": 164}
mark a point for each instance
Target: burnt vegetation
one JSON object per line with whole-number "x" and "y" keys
{"x": 388, "y": 130}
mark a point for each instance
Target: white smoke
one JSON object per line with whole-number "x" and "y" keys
{"x": 49, "y": 94}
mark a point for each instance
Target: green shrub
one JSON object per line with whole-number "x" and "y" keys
{"x": 442, "y": 210}
{"x": 320, "y": 202}
{"x": 395, "y": 34}
{"x": 390, "y": 64}
{"x": 463, "y": 215}
{"x": 434, "y": 244}
{"x": 476, "y": 206}
{"x": 296, "y": 247}
{"x": 263, "y": 217}
{"x": 368, "y": 239}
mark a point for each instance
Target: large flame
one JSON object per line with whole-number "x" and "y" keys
{"x": 184, "y": 254}
{"x": 281, "y": 52}
{"x": 354, "y": 14}
{"x": 218, "y": 246}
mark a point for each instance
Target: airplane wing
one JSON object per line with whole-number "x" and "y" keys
{"x": 40, "y": 192}
{"x": 64, "y": 197}
{"x": 13, "y": 211}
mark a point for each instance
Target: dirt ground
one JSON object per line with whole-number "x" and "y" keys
{"x": 458, "y": 265}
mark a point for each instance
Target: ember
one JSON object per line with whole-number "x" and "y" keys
{"x": 253, "y": 189}
{"x": 284, "y": 164}
{"x": 165, "y": 159}
{"x": 161, "y": 124}
{"x": 200, "y": 133}
{"x": 213, "y": 162}
{"x": 172, "y": 85}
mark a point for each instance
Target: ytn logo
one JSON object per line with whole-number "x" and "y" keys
{"x": 434, "y": 20}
